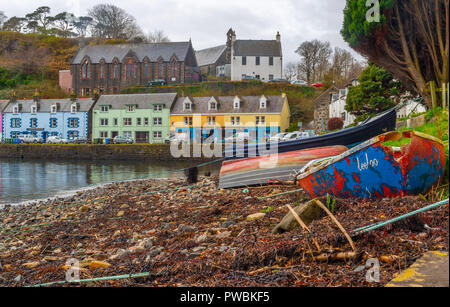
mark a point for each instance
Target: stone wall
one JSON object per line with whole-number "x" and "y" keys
{"x": 322, "y": 110}
{"x": 160, "y": 152}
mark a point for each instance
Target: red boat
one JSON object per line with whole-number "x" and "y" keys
{"x": 263, "y": 170}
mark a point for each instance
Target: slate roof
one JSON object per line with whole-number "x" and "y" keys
{"x": 257, "y": 48}
{"x": 249, "y": 104}
{"x": 210, "y": 56}
{"x": 45, "y": 105}
{"x": 3, "y": 104}
{"x": 143, "y": 101}
{"x": 151, "y": 50}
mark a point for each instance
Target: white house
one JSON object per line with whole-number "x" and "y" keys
{"x": 412, "y": 107}
{"x": 261, "y": 59}
{"x": 337, "y": 105}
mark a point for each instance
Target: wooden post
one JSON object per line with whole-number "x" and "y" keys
{"x": 433, "y": 95}
{"x": 444, "y": 95}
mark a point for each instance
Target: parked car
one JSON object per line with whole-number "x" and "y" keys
{"x": 30, "y": 139}
{"x": 248, "y": 78}
{"x": 239, "y": 137}
{"x": 56, "y": 140}
{"x": 158, "y": 82}
{"x": 278, "y": 137}
{"x": 299, "y": 82}
{"x": 79, "y": 140}
{"x": 295, "y": 136}
{"x": 177, "y": 138}
{"x": 123, "y": 140}
{"x": 317, "y": 85}
{"x": 279, "y": 81}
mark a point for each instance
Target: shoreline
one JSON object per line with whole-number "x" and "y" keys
{"x": 203, "y": 236}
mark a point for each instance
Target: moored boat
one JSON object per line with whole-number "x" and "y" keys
{"x": 269, "y": 168}
{"x": 373, "y": 170}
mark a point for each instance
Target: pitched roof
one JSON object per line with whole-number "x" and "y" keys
{"x": 45, "y": 105}
{"x": 257, "y": 48}
{"x": 142, "y": 101}
{"x": 151, "y": 50}
{"x": 249, "y": 104}
{"x": 210, "y": 56}
{"x": 3, "y": 104}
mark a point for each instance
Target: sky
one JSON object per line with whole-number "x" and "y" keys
{"x": 206, "y": 22}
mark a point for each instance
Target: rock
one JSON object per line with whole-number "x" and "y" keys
{"x": 307, "y": 212}
{"x": 120, "y": 213}
{"x": 98, "y": 264}
{"x": 124, "y": 206}
{"x": 256, "y": 216}
{"x": 31, "y": 265}
{"x": 224, "y": 235}
{"x": 202, "y": 238}
{"x": 186, "y": 228}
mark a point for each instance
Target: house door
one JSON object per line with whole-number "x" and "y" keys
{"x": 114, "y": 134}
{"x": 142, "y": 137}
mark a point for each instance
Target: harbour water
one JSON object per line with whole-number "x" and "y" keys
{"x": 23, "y": 181}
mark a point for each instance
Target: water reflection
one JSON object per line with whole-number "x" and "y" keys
{"x": 28, "y": 180}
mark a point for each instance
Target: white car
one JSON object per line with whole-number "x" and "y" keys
{"x": 30, "y": 139}
{"x": 177, "y": 138}
{"x": 56, "y": 140}
{"x": 278, "y": 137}
{"x": 239, "y": 137}
{"x": 295, "y": 136}
{"x": 299, "y": 82}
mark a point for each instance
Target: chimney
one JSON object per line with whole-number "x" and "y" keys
{"x": 36, "y": 96}
{"x": 278, "y": 37}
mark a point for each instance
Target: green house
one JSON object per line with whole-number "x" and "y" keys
{"x": 143, "y": 117}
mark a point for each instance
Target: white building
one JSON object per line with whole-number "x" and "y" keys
{"x": 337, "y": 105}
{"x": 412, "y": 107}
{"x": 261, "y": 59}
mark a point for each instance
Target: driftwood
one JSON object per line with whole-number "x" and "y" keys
{"x": 344, "y": 256}
{"x": 303, "y": 226}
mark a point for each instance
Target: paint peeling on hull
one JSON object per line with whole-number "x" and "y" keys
{"x": 372, "y": 170}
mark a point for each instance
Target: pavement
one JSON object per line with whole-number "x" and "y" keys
{"x": 432, "y": 270}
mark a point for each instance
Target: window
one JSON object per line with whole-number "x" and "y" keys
{"x": 102, "y": 71}
{"x": 116, "y": 71}
{"x": 74, "y": 122}
{"x": 53, "y": 122}
{"x": 103, "y": 134}
{"x": 160, "y": 70}
{"x": 258, "y": 61}
{"x": 157, "y": 107}
{"x": 343, "y": 115}
{"x": 157, "y": 121}
{"x": 33, "y": 109}
{"x": 72, "y": 134}
{"x": 131, "y": 108}
{"x": 86, "y": 70}
{"x": 16, "y": 109}
{"x": 212, "y": 105}
{"x": 260, "y": 120}
{"x": 187, "y": 106}
{"x": 211, "y": 120}
{"x": 130, "y": 71}
{"x": 146, "y": 122}
{"x": 244, "y": 76}
{"x": 15, "y": 123}
{"x": 271, "y": 61}
{"x": 146, "y": 70}
{"x": 54, "y": 108}
{"x": 174, "y": 69}
{"x": 116, "y": 121}
{"x": 188, "y": 121}
{"x": 139, "y": 121}
{"x": 103, "y": 122}
{"x": 128, "y": 134}
{"x": 235, "y": 121}
{"x": 104, "y": 108}
{"x": 33, "y": 122}
{"x": 258, "y": 77}
{"x": 73, "y": 108}
{"x": 244, "y": 60}
{"x": 263, "y": 104}
{"x": 127, "y": 121}
{"x": 270, "y": 77}
{"x": 15, "y": 134}
{"x": 236, "y": 104}
{"x": 157, "y": 134}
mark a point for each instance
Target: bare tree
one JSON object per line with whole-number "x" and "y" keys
{"x": 314, "y": 60}
{"x": 82, "y": 25}
{"x": 291, "y": 71}
{"x": 157, "y": 36}
{"x": 111, "y": 21}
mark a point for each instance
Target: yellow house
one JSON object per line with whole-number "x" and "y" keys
{"x": 224, "y": 116}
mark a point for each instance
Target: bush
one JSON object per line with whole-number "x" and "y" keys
{"x": 335, "y": 123}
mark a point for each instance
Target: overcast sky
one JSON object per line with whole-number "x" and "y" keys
{"x": 207, "y": 21}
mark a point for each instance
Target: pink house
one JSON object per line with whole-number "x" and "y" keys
{"x": 3, "y": 104}
{"x": 65, "y": 80}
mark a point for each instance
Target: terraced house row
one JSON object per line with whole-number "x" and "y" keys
{"x": 147, "y": 118}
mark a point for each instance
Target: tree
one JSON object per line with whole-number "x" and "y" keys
{"x": 290, "y": 71}
{"x": 113, "y": 22}
{"x": 14, "y": 24}
{"x": 40, "y": 19}
{"x": 158, "y": 36}
{"x": 82, "y": 25}
{"x": 410, "y": 39}
{"x": 3, "y": 18}
{"x": 335, "y": 123}
{"x": 314, "y": 60}
{"x": 378, "y": 91}
{"x": 64, "y": 23}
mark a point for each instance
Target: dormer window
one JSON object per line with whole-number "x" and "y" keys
{"x": 104, "y": 108}
{"x": 187, "y": 105}
{"x": 33, "y": 109}
{"x": 236, "y": 103}
{"x": 212, "y": 104}
{"x": 16, "y": 109}
{"x": 73, "y": 108}
{"x": 131, "y": 108}
{"x": 54, "y": 109}
{"x": 263, "y": 102}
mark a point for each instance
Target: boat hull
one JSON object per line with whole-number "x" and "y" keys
{"x": 372, "y": 170}
{"x": 349, "y": 137}
{"x": 266, "y": 169}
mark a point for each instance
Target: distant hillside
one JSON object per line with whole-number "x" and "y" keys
{"x": 301, "y": 99}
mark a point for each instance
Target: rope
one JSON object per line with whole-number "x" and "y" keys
{"x": 140, "y": 275}
{"x": 368, "y": 228}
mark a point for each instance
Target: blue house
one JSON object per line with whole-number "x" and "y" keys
{"x": 66, "y": 118}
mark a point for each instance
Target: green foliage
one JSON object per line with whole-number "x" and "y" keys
{"x": 10, "y": 79}
{"x": 374, "y": 94}
{"x": 331, "y": 203}
{"x": 356, "y": 26}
